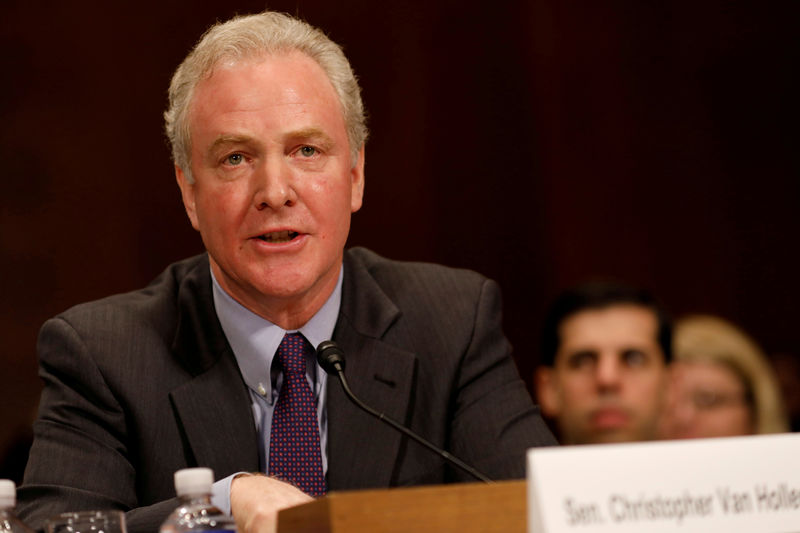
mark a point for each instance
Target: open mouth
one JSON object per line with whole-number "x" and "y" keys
{"x": 279, "y": 236}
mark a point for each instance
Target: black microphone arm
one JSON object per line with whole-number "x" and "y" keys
{"x": 331, "y": 359}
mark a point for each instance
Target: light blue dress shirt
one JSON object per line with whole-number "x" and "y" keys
{"x": 254, "y": 341}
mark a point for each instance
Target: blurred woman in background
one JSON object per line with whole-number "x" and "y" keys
{"x": 722, "y": 383}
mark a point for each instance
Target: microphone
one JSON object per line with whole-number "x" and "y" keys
{"x": 331, "y": 359}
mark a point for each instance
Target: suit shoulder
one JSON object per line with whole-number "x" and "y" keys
{"x": 382, "y": 267}
{"x": 155, "y": 303}
{"x": 402, "y": 280}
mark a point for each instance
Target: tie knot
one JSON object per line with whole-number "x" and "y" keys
{"x": 292, "y": 353}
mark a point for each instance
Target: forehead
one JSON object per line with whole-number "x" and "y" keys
{"x": 286, "y": 85}
{"x": 614, "y": 326}
{"x": 708, "y": 375}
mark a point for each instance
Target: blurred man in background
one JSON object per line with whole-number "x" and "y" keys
{"x": 603, "y": 374}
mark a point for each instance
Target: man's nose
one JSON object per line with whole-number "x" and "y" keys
{"x": 273, "y": 185}
{"x": 609, "y": 371}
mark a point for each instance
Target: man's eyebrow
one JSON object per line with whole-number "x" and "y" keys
{"x": 224, "y": 140}
{"x": 305, "y": 134}
{"x": 310, "y": 133}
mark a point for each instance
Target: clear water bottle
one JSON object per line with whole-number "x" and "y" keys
{"x": 8, "y": 500}
{"x": 196, "y": 513}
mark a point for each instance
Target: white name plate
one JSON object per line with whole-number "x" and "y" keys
{"x": 731, "y": 485}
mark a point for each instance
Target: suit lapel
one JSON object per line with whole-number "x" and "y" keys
{"x": 213, "y": 407}
{"x": 363, "y": 451}
{"x": 217, "y": 421}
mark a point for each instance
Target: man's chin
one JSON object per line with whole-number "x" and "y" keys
{"x": 605, "y": 436}
{"x": 613, "y": 437}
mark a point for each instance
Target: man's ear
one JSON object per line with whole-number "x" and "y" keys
{"x": 547, "y": 392}
{"x": 187, "y": 193}
{"x": 357, "y": 177}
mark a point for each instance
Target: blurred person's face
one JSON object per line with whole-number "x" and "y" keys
{"x": 275, "y": 183}
{"x": 706, "y": 400}
{"x": 609, "y": 377}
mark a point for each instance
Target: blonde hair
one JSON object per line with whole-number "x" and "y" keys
{"x": 705, "y": 338}
{"x": 250, "y": 36}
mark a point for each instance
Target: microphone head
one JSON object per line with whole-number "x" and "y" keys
{"x": 330, "y": 357}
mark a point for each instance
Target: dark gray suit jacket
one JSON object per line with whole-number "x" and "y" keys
{"x": 142, "y": 384}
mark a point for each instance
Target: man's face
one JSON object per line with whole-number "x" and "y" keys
{"x": 608, "y": 380}
{"x": 274, "y": 183}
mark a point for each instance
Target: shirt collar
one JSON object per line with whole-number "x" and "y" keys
{"x": 254, "y": 340}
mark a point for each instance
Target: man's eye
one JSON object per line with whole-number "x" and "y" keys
{"x": 308, "y": 151}
{"x": 234, "y": 159}
{"x": 634, "y": 358}
{"x": 583, "y": 359}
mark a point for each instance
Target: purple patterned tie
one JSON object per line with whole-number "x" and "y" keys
{"x": 294, "y": 447}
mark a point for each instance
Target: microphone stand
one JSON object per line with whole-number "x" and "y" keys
{"x": 334, "y": 362}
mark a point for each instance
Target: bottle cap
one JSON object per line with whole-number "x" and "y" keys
{"x": 193, "y": 481}
{"x": 8, "y": 494}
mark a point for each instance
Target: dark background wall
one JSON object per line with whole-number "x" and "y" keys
{"x": 539, "y": 142}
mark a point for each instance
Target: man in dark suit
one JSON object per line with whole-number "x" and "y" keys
{"x": 267, "y": 128}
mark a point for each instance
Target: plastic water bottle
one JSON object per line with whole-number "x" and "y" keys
{"x": 8, "y": 500}
{"x": 196, "y": 513}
